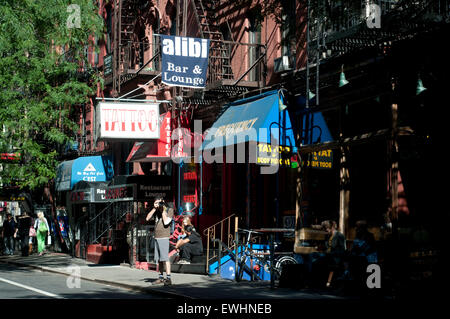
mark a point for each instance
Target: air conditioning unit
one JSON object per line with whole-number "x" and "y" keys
{"x": 283, "y": 63}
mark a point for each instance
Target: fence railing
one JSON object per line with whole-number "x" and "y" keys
{"x": 221, "y": 232}
{"x": 227, "y": 60}
{"x": 342, "y": 15}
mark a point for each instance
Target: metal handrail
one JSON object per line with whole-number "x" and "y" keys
{"x": 101, "y": 212}
{"x": 109, "y": 227}
{"x": 215, "y": 234}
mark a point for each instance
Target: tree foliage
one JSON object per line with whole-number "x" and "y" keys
{"x": 44, "y": 77}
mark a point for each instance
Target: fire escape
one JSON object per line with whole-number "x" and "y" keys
{"x": 229, "y": 74}
{"x": 339, "y": 28}
{"x": 128, "y": 51}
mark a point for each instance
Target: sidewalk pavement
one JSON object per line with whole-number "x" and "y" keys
{"x": 185, "y": 286}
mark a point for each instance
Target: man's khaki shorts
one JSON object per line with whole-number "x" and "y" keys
{"x": 161, "y": 249}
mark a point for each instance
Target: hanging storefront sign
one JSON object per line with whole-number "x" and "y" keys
{"x": 164, "y": 142}
{"x": 108, "y": 64}
{"x": 99, "y": 194}
{"x": 320, "y": 159}
{"x": 81, "y": 196}
{"x": 88, "y": 169}
{"x": 119, "y": 193}
{"x": 151, "y": 192}
{"x": 155, "y": 151}
{"x": 150, "y": 188}
{"x": 184, "y": 61}
{"x": 137, "y": 121}
{"x": 189, "y": 187}
{"x": 139, "y": 188}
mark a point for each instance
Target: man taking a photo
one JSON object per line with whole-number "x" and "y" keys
{"x": 163, "y": 219}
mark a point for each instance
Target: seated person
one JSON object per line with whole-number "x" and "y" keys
{"x": 364, "y": 243}
{"x": 186, "y": 222}
{"x": 189, "y": 246}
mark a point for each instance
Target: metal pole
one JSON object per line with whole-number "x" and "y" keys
{"x": 132, "y": 100}
{"x": 344, "y": 194}
{"x": 138, "y": 88}
{"x": 219, "y": 261}
{"x": 319, "y": 28}
{"x": 185, "y": 5}
{"x": 179, "y": 187}
{"x": 236, "y": 259}
{"x": 272, "y": 278}
{"x": 200, "y": 211}
{"x": 394, "y": 167}
{"x": 236, "y": 246}
{"x": 307, "y": 55}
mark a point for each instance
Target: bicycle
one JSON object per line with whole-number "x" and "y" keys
{"x": 261, "y": 259}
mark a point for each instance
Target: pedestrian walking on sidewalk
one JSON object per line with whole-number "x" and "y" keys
{"x": 9, "y": 229}
{"x": 163, "y": 220}
{"x": 335, "y": 249}
{"x": 23, "y": 231}
{"x": 42, "y": 231}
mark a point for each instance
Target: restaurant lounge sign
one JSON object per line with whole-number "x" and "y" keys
{"x": 137, "y": 121}
{"x": 184, "y": 61}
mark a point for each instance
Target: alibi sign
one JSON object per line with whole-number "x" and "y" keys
{"x": 184, "y": 61}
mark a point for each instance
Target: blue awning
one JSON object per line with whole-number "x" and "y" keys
{"x": 315, "y": 129}
{"x": 89, "y": 168}
{"x": 256, "y": 119}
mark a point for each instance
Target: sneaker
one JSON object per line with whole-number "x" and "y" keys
{"x": 167, "y": 282}
{"x": 184, "y": 262}
{"x": 158, "y": 282}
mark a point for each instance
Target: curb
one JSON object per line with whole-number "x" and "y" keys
{"x": 148, "y": 290}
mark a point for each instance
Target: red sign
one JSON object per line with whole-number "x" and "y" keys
{"x": 165, "y": 134}
{"x": 77, "y": 196}
{"x": 190, "y": 176}
{"x": 190, "y": 198}
{"x": 13, "y": 157}
{"x": 129, "y": 120}
{"x": 122, "y": 192}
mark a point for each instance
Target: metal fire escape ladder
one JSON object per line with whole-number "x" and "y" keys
{"x": 220, "y": 59}
{"x": 125, "y": 17}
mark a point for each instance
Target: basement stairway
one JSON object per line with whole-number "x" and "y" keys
{"x": 107, "y": 253}
{"x": 105, "y": 234}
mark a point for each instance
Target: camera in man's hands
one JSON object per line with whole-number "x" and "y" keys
{"x": 162, "y": 204}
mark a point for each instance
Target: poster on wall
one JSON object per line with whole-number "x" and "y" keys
{"x": 184, "y": 61}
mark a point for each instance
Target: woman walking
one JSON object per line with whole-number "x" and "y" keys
{"x": 42, "y": 231}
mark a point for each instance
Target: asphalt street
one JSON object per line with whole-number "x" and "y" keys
{"x": 24, "y": 283}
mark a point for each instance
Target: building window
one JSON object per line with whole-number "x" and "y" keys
{"x": 288, "y": 28}
{"x": 108, "y": 29}
{"x": 254, "y": 52}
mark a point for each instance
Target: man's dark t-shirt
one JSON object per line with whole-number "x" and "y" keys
{"x": 24, "y": 225}
{"x": 9, "y": 227}
{"x": 196, "y": 243}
